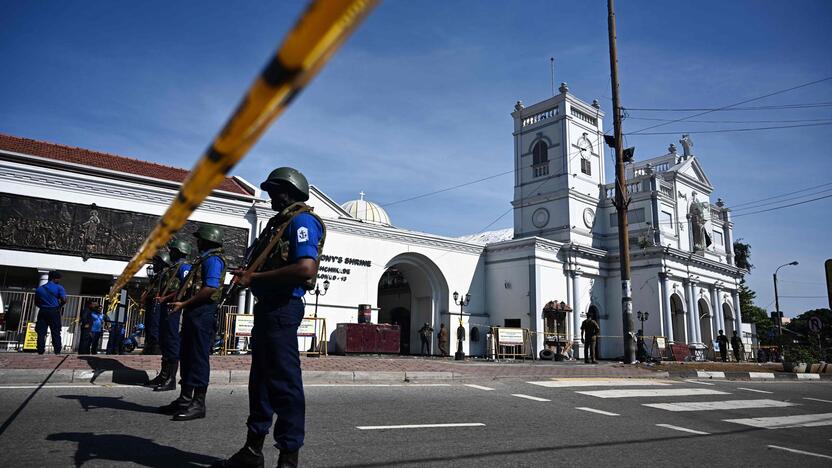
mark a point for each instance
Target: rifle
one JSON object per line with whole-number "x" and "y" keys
{"x": 259, "y": 251}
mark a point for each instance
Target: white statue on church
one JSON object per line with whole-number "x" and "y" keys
{"x": 687, "y": 145}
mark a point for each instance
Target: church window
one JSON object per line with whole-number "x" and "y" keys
{"x": 633, "y": 217}
{"x": 540, "y": 159}
{"x": 718, "y": 238}
{"x": 666, "y": 221}
{"x": 586, "y": 166}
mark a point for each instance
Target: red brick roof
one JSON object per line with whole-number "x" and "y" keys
{"x": 112, "y": 162}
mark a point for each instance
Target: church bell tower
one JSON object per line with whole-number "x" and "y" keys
{"x": 559, "y": 168}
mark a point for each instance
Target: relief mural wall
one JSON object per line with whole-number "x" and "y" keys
{"x": 87, "y": 231}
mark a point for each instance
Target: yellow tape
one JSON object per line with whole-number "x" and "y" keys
{"x": 324, "y": 26}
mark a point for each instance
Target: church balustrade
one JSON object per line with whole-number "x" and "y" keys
{"x": 541, "y": 169}
{"x": 547, "y": 114}
{"x": 632, "y": 187}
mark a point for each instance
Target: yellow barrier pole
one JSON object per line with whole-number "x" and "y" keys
{"x": 324, "y": 26}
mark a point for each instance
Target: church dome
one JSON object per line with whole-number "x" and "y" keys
{"x": 367, "y": 211}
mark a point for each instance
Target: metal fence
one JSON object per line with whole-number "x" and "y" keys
{"x": 21, "y": 309}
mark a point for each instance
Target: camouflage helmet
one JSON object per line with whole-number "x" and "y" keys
{"x": 288, "y": 176}
{"x": 210, "y": 233}
{"x": 180, "y": 245}
{"x": 162, "y": 257}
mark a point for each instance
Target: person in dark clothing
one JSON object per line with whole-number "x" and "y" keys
{"x": 737, "y": 346}
{"x": 723, "y": 345}
{"x": 425, "y": 334}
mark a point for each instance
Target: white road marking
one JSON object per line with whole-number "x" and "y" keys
{"x": 593, "y": 410}
{"x": 561, "y": 383}
{"x": 377, "y": 385}
{"x": 818, "y": 399}
{"x": 682, "y": 429}
{"x": 719, "y": 405}
{"x": 819, "y": 455}
{"x": 418, "y": 426}
{"x": 652, "y": 392}
{"x": 529, "y": 397}
{"x": 808, "y": 376}
{"x": 710, "y": 374}
{"x": 753, "y": 390}
{"x": 785, "y": 422}
{"x": 479, "y": 387}
{"x": 761, "y": 375}
{"x": 698, "y": 382}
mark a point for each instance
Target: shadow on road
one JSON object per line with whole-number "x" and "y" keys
{"x": 117, "y": 403}
{"x": 122, "y": 374}
{"x": 127, "y": 448}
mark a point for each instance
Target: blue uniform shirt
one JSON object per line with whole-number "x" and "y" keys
{"x": 46, "y": 296}
{"x": 211, "y": 270}
{"x": 303, "y": 234}
{"x": 96, "y": 321}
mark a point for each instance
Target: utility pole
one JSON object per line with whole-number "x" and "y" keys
{"x": 622, "y": 199}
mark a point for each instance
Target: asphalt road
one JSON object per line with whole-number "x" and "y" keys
{"x": 501, "y": 423}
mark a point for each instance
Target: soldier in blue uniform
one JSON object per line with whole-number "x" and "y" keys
{"x": 161, "y": 263}
{"x": 50, "y": 298}
{"x": 169, "y": 339}
{"x": 197, "y": 299}
{"x": 284, "y": 266}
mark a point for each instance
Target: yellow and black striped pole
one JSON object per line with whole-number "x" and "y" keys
{"x": 324, "y": 26}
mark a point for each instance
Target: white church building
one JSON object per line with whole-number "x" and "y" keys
{"x": 85, "y": 213}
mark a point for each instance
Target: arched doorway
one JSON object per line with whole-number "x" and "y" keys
{"x": 677, "y": 310}
{"x": 705, "y": 323}
{"x": 728, "y": 316}
{"x": 411, "y": 292}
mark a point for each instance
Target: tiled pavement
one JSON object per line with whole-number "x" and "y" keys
{"x": 470, "y": 368}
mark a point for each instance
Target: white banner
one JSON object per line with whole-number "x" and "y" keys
{"x": 243, "y": 325}
{"x": 307, "y": 327}
{"x": 510, "y": 336}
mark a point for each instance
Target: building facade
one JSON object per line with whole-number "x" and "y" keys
{"x": 85, "y": 213}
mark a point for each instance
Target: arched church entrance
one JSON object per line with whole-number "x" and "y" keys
{"x": 677, "y": 310}
{"x": 728, "y": 315}
{"x": 705, "y": 323}
{"x": 411, "y": 292}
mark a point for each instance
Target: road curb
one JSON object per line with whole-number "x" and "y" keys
{"x": 756, "y": 376}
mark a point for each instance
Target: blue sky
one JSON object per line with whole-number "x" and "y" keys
{"x": 419, "y": 99}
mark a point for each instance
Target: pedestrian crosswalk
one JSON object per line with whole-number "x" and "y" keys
{"x": 680, "y": 397}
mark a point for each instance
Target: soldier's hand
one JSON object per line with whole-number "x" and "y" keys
{"x": 175, "y": 307}
{"x": 582, "y": 341}
{"x": 243, "y": 277}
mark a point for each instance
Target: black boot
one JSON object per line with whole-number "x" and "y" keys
{"x": 161, "y": 377}
{"x": 170, "y": 379}
{"x": 196, "y": 409}
{"x": 251, "y": 455}
{"x": 179, "y": 404}
{"x": 287, "y": 459}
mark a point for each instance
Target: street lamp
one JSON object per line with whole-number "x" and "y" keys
{"x": 460, "y": 330}
{"x": 642, "y": 317}
{"x": 777, "y": 299}
{"x": 317, "y": 294}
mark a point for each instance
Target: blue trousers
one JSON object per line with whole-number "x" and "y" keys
{"x": 275, "y": 385}
{"x": 169, "y": 338}
{"x": 153, "y": 319}
{"x": 49, "y": 319}
{"x": 198, "y": 329}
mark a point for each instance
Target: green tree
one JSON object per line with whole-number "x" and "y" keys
{"x": 750, "y": 312}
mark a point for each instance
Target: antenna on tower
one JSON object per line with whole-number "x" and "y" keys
{"x": 552, "y": 66}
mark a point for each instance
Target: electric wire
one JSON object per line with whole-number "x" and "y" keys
{"x": 715, "y": 109}
{"x": 734, "y": 130}
{"x": 737, "y": 205}
{"x": 735, "y": 121}
{"x": 774, "y": 93}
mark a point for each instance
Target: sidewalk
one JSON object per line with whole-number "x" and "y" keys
{"x": 21, "y": 368}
